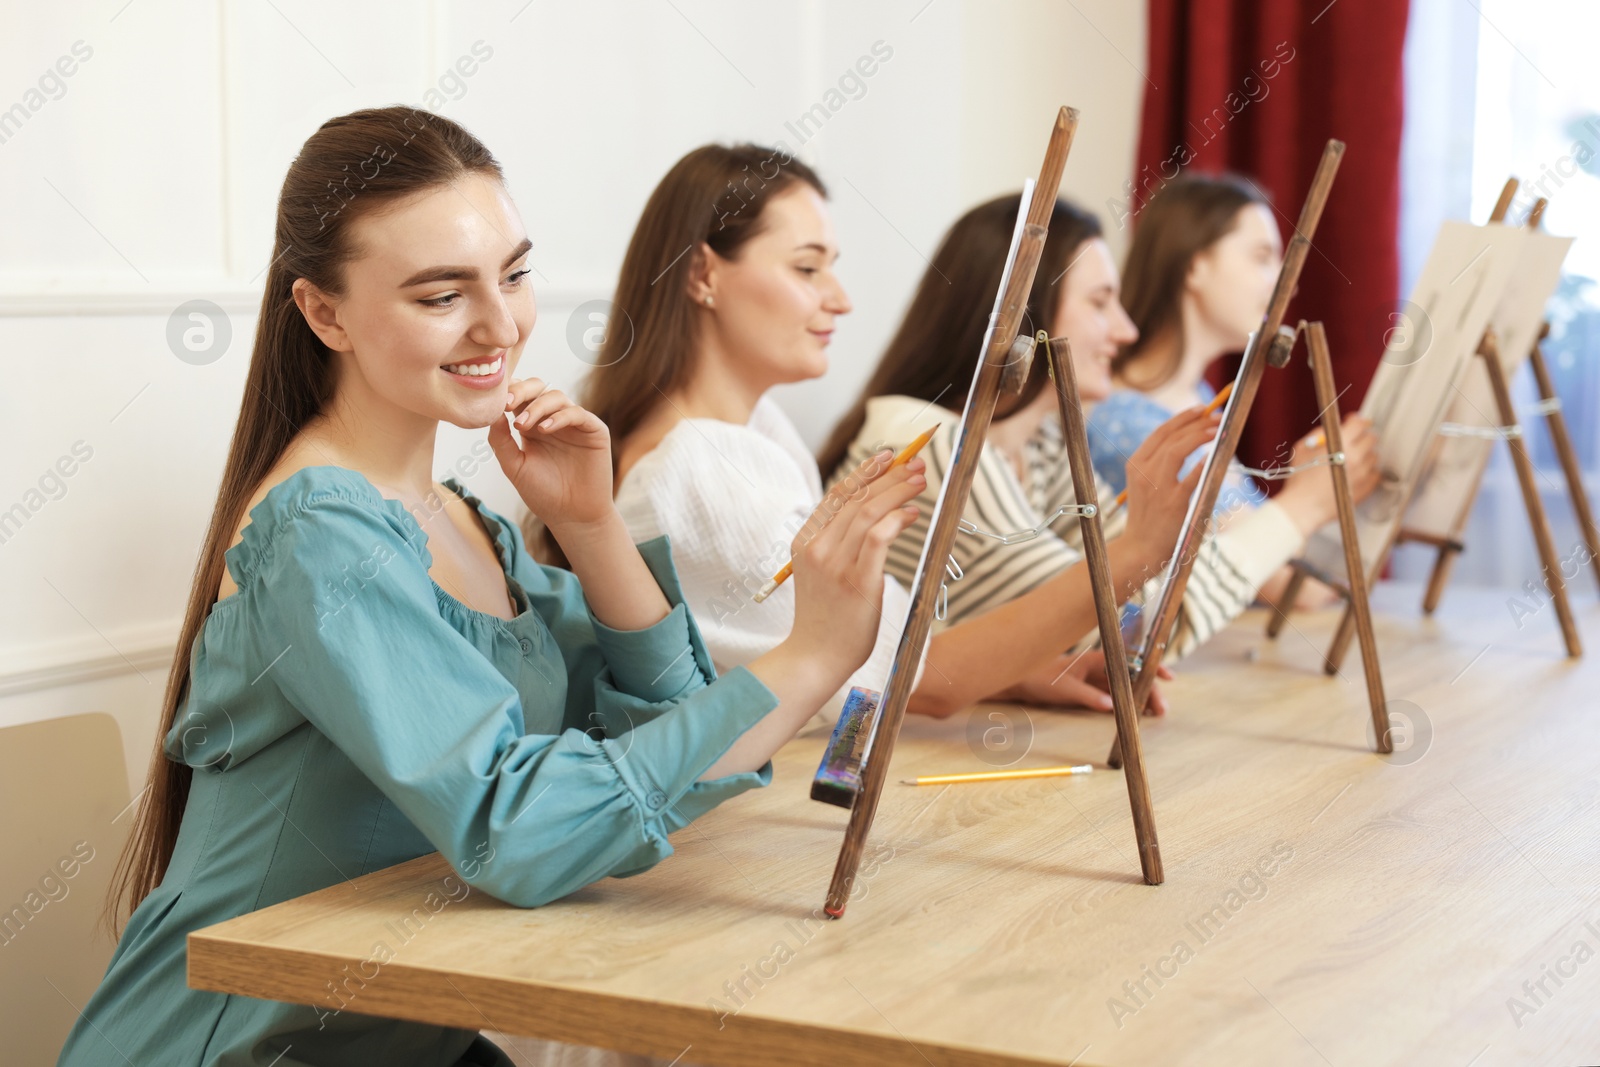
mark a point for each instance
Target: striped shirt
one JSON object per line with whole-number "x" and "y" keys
{"x": 1229, "y": 569}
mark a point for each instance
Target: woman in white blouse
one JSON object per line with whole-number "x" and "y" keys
{"x": 1023, "y": 477}
{"x": 728, "y": 289}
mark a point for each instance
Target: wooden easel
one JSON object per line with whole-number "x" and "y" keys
{"x": 1003, "y": 355}
{"x": 1272, "y": 343}
{"x": 1559, "y": 437}
{"x": 1449, "y": 547}
{"x": 1356, "y": 593}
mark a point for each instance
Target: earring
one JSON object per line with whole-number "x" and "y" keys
{"x": 708, "y": 300}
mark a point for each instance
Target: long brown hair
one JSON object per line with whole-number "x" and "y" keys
{"x": 939, "y": 342}
{"x": 350, "y": 166}
{"x": 1187, "y": 216}
{"x": 715, "y": 196}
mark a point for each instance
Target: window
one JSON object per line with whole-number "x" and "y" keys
{"x": 1497, "y": 88}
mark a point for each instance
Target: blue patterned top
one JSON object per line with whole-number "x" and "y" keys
{"x": 1119, "y": 424}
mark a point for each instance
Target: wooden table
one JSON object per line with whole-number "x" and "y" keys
{"x": 1323, "y": 905}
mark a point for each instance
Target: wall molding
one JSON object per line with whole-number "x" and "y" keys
{"x": 146, "y": 649}
{"x": 154, "y": 300}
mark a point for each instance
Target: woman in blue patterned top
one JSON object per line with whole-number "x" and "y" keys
{"x": 372, "y": 668}
{"x": 1200, "y": 273}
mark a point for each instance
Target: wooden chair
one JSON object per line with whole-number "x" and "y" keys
{"x": 64, "y": 815}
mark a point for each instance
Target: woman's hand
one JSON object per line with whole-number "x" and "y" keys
{"x": 1157, "y": 499}
{"x": 1308, "y": 494}
{"x": 1078, "y": 681}
{"x": 839, "y": 556}
{"x": 562, "y": 471}
{"x": 838, "y": 560}
{"x": 562, "y": 467}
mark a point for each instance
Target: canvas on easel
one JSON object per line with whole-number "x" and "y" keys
{"x": 1002, "y": 355}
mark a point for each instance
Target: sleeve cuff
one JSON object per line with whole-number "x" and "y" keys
{"x": 701, "y": 797}
{"x": 1260, "y": 542}
{"x": 663, "y": 758}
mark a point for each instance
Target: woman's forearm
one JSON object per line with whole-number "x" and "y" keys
{"x": 618, "y": 584}
{"x": 987, "y": 655}
{"x": 802, "y": 680}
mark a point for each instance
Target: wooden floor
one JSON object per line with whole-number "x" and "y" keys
{"x": 1323, "y": 905}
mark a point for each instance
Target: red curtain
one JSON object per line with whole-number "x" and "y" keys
{"x": 1257, "y": 87}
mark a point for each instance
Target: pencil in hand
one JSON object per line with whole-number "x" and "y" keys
{"x": 1216, "y": 402}
{"x": 904, "y": 456}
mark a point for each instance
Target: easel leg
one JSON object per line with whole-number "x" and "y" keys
{"x": 1340, "y": 645}
{"x": 1557, "y": 423}
{"x": 1438, "y": 579}
{"x": 1490, "y": 351}
{"x": 1291, "y": 593}
{"x": 1358, "y": 608}
{"x": 1123, "y": 701}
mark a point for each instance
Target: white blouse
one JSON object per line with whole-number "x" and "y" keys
{"x": 732, "y": 498}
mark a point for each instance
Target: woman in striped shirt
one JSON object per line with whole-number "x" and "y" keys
{"x": 1023, "y": 478}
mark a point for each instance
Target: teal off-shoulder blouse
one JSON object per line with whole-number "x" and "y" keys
{"x": 345, "y": 713}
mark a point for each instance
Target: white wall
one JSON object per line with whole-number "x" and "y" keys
{"x": 148, "y": 177}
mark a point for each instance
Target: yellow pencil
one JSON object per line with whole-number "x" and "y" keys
{"x": 998, "y": 776}
{"x": 1216, "y": 402}
{"x": 1220, "y": 399}
{"x": 904, "y": 456}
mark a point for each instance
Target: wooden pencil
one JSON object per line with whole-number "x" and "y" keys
{"x": 998, "y": 776}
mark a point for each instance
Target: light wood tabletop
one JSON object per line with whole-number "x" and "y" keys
{"x": 1323, "y": 904}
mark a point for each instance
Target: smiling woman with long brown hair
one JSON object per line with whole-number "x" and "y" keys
{"x": 372, "y": 668}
